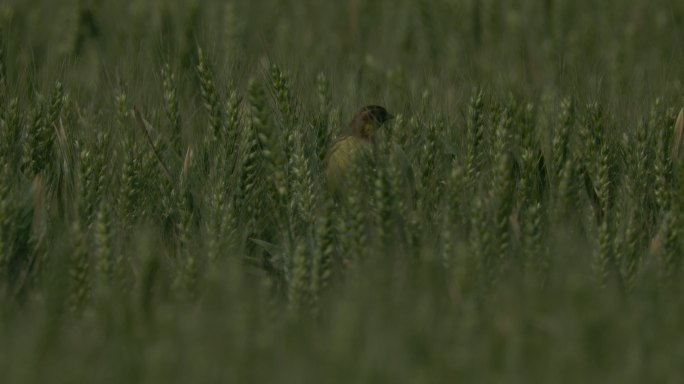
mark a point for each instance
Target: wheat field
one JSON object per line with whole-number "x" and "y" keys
{"x": 164, "y": 215}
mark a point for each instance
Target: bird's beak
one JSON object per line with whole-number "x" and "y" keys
{"x": 390, "y": 117}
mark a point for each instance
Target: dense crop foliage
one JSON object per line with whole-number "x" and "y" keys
{"x": 164, "y": 215}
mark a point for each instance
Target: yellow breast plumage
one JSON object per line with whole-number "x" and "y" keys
{"x": 343, "y": 154}
{"x": 352, "y": 146}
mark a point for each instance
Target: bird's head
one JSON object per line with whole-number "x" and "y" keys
{"x": 367, "y": 120}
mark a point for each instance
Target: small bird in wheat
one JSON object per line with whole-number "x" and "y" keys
{"x": 352, "y": 144}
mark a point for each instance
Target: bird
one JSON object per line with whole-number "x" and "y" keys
{"x": 352, "y": 145}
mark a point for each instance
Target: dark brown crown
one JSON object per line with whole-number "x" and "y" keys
{"x": 373, "y": 114}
